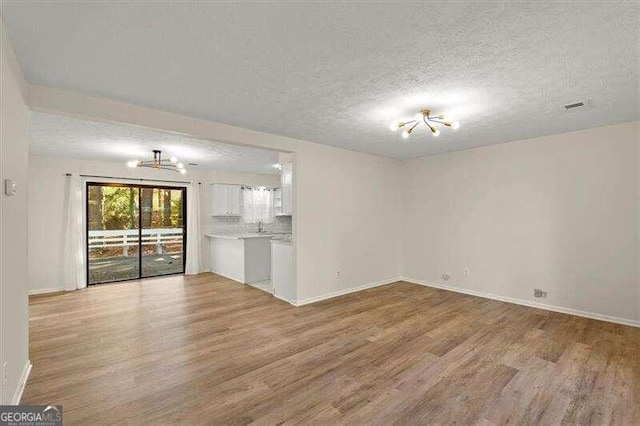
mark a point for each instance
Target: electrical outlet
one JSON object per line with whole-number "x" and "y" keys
{"x": 465, "y": 272}
{"x": 539, "y": 293}
{"x": 338, "y": 273}
{"x": 10, "y": 187}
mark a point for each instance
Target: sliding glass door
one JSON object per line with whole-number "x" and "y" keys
{"x": 134, "y": 231}
{"x": 163, "y": 231}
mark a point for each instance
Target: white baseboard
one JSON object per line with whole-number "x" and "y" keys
{"x": 231, "y": 278}
{"x": 45, "y": 291}
{"x": 337, "y": 293}
{"x": 17, "y": 396}
{"x": 553, "y": 308}
{"x": 283, "y": 299}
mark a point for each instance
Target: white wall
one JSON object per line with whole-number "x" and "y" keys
{"x": 559, "y": 213}
{"x": 14, "y": 158}
{"x": 346, "y": 218}
{"x": 46, "y": 206}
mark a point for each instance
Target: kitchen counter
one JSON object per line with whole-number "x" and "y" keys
{"x": 239, "y": 236}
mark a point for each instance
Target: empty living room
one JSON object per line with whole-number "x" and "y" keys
{"x": 311, "y": 212}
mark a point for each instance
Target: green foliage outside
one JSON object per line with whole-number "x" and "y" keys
{"x": 112, "y": 207}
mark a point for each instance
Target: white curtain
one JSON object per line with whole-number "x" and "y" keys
{"x": 73, "y": 253}
{"x": 257, "y": 205}
{"x": 194, "y": 234}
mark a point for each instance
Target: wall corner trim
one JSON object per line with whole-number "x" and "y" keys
{"x": 552, "y": 308}
{"x": 301, "y": 302}
{"x": 17, "y": 396}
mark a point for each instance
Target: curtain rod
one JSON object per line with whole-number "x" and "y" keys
{"x": 241, "y": 185}
{"x": 268, "y": 188}
{"x": 135, "y": 179}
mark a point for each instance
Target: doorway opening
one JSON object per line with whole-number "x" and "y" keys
{"x": 134, "y": 231}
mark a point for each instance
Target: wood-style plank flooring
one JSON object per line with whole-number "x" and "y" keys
{"x": 206, "y": 350}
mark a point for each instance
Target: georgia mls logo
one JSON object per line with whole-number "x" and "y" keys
{"x": 30, "y": 415}
{"x": 52, "y": 407}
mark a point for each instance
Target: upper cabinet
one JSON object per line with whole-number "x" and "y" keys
{"x": 277, "y": 201}
{"x": 225, "y": 200}
{"x": 286, "y": 178}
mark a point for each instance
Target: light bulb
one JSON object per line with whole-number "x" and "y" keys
{"x": 173, "y": 160}
{"x": 133, "y": 164}
{"x": 394, "y": 126}
{"x": 180, "y": 166}
{"x": 455, "y": 125}
{"x": 436, "y": 132}
{"x": 405, "y": 134}
{"x": 183, "y": 171}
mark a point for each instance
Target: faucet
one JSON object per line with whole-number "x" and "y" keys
{"x": 260, "y": 227}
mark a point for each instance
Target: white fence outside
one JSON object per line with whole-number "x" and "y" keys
{"x": 129, "y": 238}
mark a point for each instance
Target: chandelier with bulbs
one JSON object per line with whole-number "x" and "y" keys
{"x": 424, "y": 116}
{"x": 159, "y": 163}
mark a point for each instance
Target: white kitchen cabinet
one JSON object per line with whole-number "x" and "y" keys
{"x": 277, "y": 201}
{"x": 234, "y": 193}
{"x": 282, "y": 270}
{"x": 225, "y": 200}
{"x": 286, "y": 178}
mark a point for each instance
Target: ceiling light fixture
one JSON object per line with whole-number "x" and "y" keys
{"x": 159, "y": 163}
{"x": 424, "y": 116}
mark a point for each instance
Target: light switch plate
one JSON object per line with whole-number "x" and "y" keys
{"x": 10, "y": 187}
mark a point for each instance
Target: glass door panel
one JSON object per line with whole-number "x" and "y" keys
{"x": 112, "y": 233}
{"x": 163, "y": 225}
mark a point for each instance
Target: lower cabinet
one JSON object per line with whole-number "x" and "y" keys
{"x": 282, "y": 270}
{"x": 247, "y": 260}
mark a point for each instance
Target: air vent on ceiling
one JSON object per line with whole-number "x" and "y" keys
{"x": 193, "y": 164}
{"x": 575, "y": 105}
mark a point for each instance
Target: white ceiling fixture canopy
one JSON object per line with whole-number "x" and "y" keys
{"x": 312, "y": 71}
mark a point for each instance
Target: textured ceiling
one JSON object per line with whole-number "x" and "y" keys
{"x": 56, "y": 136}
{"x": 339, "y": 73}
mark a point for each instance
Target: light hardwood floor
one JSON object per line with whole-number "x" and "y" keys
{"x": 206, "y": 350}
